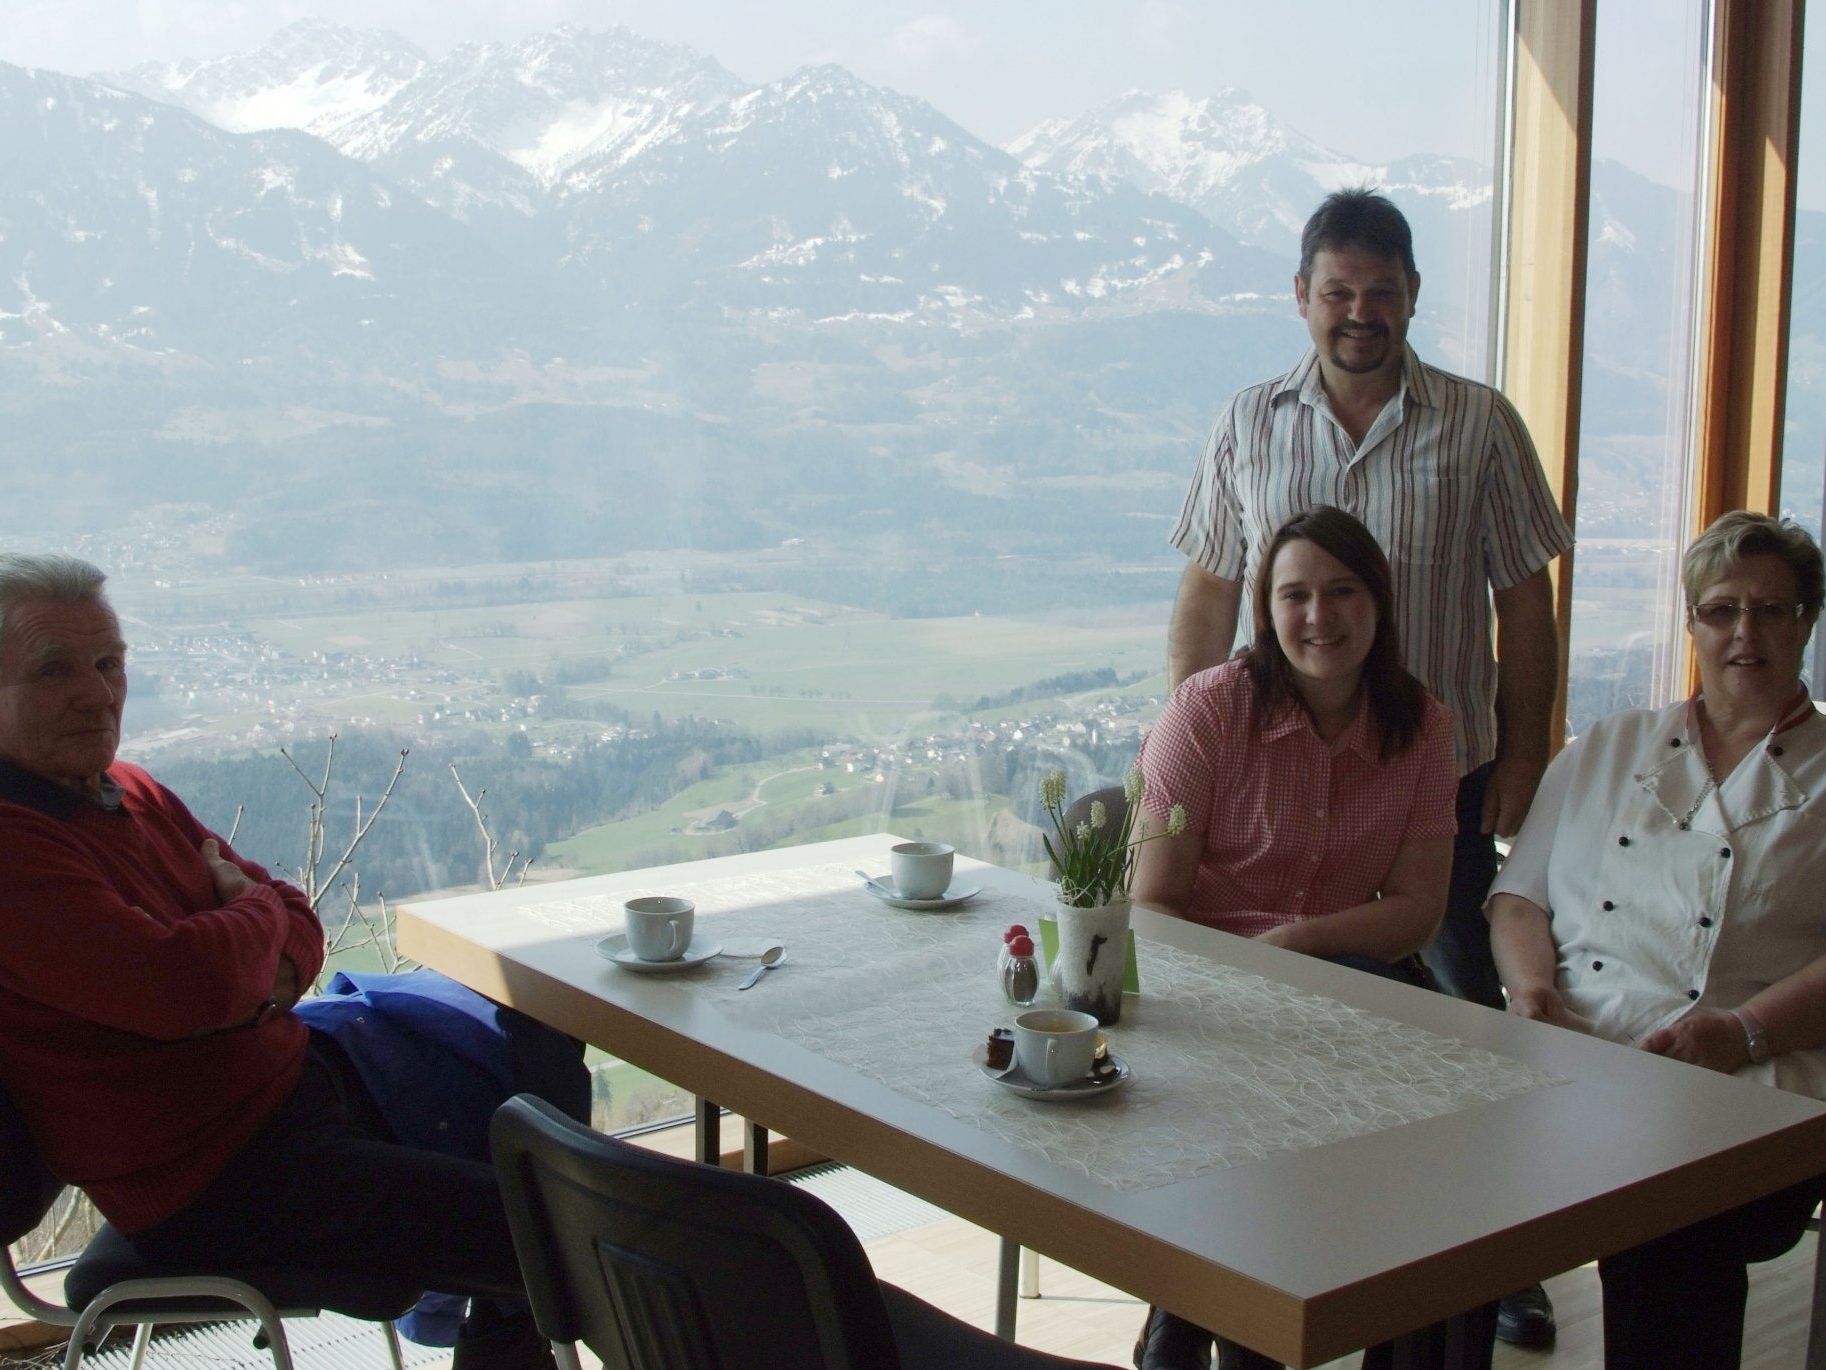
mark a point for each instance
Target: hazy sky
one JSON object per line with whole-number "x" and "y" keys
{"x": 1373, "y": 80}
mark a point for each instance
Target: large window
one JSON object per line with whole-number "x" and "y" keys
{"x": 694, "y": 456}
{"x": 1636, "y": 425}
{"x": 675, "y": 449}
{"x": 1804, "y": 434}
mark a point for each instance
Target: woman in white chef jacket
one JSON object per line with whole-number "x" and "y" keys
{"x": 1669, "y": 891}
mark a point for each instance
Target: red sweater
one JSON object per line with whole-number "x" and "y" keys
{"x": 118, "y": 972}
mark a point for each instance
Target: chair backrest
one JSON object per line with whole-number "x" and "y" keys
{"x": 29, "y": 1189}
{"x": 656, "y": 1263}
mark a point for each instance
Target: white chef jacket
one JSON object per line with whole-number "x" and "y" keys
{"x": 1663, "y": 897}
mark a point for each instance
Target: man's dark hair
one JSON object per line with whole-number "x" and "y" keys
{"x": 1358, "y": 218}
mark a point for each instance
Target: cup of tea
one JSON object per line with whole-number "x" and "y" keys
{"x": 1055, "y": 1046}
{"x": 659, "y": 926}
{"x": 922, "y": 870}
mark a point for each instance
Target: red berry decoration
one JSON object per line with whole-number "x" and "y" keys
{"x": 1021, "y": 945}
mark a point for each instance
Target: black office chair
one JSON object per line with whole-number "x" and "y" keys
{"x": 112, "y": 1286}
{"x": 662, "y": 1264}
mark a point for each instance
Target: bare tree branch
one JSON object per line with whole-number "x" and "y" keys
{"x": 495, "y": 878}
{"x": 310, "y": 875}
{"x": 362, "y": 828}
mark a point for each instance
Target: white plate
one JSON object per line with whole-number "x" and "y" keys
{"x": 882, "y": 888}
{"x": 615, "y": 948}
{"x": 1029, "y": 1089}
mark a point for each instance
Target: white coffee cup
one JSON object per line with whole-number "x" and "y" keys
{"x": 659, "y": 926}
{"x": 922, "y": 870}
{"x": 1055, "y": 1046}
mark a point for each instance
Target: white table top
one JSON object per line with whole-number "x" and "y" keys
{"x": 1514, "y": 1151}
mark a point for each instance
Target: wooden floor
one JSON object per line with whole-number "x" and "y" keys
{"x": 952, "y": 1264}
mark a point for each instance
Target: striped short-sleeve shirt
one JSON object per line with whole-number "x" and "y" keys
{"x": 1447, "y": 480}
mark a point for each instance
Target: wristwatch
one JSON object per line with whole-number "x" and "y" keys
{"x": 1756, "y": 1041}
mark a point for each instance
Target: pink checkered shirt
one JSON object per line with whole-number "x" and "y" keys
{"x": 1294, "y": 827}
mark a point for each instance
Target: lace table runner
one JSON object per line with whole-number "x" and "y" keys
{"x": 1228, "y": 1067}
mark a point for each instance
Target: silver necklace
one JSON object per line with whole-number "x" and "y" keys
{"x": 1710, "y": 785}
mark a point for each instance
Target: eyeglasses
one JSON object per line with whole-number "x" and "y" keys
{"x": 1723, "y": 614}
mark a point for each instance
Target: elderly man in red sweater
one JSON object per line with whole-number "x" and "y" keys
{"x": 147, "y": 978}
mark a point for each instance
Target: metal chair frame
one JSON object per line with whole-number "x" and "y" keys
{"x": 181, "y": 1299}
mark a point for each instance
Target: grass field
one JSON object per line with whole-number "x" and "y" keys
{"x": 661, "y": 836}
{"x": 783, "y": 662}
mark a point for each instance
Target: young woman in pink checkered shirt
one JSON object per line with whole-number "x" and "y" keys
{"x": 1316, "y": 773}
{"x": 1319, "y": 783}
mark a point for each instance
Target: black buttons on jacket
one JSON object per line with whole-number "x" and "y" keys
{"x": 1623, "y": 841}
{"x": 1607, "y": 905}
{"x": 1705, "y": 922}
{"x": 1597, "y": 965}
{"x": 1692, "y": 994}
{"x": 1725, "y": 852}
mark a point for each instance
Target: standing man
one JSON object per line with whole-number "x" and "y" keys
{"x": 1442, "y": 471}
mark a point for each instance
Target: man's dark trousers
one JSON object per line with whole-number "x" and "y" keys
{"x": 1460, "y": 954}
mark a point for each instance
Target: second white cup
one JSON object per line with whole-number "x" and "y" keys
{"x": 659, "y": 926}
{"x": 1055, "y": 1046}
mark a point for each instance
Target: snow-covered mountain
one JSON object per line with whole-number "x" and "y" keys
{"x": 485, "y": 126}
{"x": 1228, "y": 157}
{"x": 312, "y": 75}
{"x": 128, "y": 223}
{"x": 821, "y": 195}
{"x": 347, "y": 266}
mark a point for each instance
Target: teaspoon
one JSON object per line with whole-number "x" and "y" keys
{"x": 769, "y": 959}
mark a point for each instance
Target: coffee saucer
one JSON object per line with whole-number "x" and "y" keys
{"x": 882, "y": 887}
{"x": 615, "y": 948}
{"x": 1012, "y": 1079}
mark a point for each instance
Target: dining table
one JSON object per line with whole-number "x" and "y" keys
{"x": 1304, "y": 1158}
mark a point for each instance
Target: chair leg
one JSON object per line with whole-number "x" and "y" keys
{"x": 393, "y": 1351}
{"x": 280, "y": 1348}
{"x": 1007, "y": 1271}
{"x": 80, "y": 1334}
{"x": 1816, "y": 1333}
{"x": 142, "y": 1338}
{"x": 1030, "y": 1273}
{"x": 565, "y": 1353}
{"x": 72, "y": 1356}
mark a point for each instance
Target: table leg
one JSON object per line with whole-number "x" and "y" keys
{"x": 754, "y": 1148}
{"x": 1008, "y": 1270}
{"x": 1030, "y": 1273}
{"x": 709, "y": 1124}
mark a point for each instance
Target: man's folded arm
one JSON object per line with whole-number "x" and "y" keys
{"x": 304, "y": 931}
{"x": 69, "y": 940}
{"x": 304, "y": 936}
